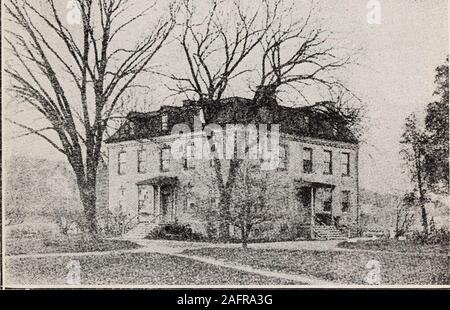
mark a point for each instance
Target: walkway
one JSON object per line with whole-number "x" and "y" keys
{"x": 169, "y": 246}
{"x": 175, "y": 248}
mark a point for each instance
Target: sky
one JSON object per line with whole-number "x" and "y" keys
{"x": 394, "y": 77}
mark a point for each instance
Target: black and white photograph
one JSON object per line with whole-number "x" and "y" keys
{"x": 225, "y": 144}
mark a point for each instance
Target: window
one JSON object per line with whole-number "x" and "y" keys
{"x": 283, "y": 154}
{"x": 189, "y": 156}
{"x": 164, "y": 120}
{"x": 307, "y": 160}
{"x": 187, "y": 196}
{"x": 141, "y": 197}
{"x": 121, "y": 199}
{"x": 165, "y": 159}
{"x": 345, "y": 201}
{"x": 345, "y": 164}
{"x": 141, "y": 161}
{"x": 189, "y": 205}
{"x": 122, "y": 161}
{"x": 328, "y": 162}
{"x": 328, "y": 200}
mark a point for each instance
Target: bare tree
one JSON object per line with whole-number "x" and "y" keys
{"x": 250, "y": 203}
{"x": 219, "y": 47}
{"x": 216, "y": 46}
{"x": 298, "y": 53}
{"x": 53, "y": 62}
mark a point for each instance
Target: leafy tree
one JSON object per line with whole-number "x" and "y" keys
{"x": 426, "y": 149}
{"x": 413, "y": 154}
{"x": 437, "y": 132}
{"x": 403, "y": 215}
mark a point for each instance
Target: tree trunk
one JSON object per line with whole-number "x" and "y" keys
{"x": 397, "y": 220}
{"x": 244, "y": 236}
{"x": 87, "y": 182}
{"x": 88, "y": 200}
{"x": 424, "y": 218}
{"x": 420, "y": 186}
{"x": 224, "y": 188}
{"x": 225, "y": 196}
{"x": 224, "y": 206}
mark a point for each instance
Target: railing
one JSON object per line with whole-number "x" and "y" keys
{"x": 319, "y": 221}
{"x": 128, "y": 223}
{"x": 153, "y": 219}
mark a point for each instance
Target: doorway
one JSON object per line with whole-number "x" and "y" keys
{"x": 166, "y": 203}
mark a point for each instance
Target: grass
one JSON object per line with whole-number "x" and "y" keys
{"x": 396, "y": 246}
{"x": 339, "y": 266}
{"x": 63, "y": 244}
{"x": 128, "y": 269}
{"x": 42, "y": 237}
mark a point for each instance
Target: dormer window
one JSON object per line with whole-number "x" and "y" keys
{"x": 164, "y": 121}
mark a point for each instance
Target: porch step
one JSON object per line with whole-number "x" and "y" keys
{"x": 327, "y": 232}
{"x": 140, "y": 231}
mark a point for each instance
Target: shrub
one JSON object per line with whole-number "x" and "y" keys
{"x": 439, "y": 236}
{"x": 175, "y": 231}
{"x": 114, "y": 223}
{"x": 66, "y": 218}
{"x": 30, "y": 230}
{"x": 14, "y": 215}
{"x": 436, "y": 237}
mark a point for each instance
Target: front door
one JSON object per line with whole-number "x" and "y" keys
{"x": 145, "y": 202}
{"x": 304, "y": 204}
{"x": 166, "y": 203}
{"x": 305, "y": 197}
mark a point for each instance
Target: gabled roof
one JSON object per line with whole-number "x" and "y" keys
{"x": 310, "y": 121}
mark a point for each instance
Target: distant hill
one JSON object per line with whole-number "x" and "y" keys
{"x": 378, "y": 210}
{"x": 39, "y": 185}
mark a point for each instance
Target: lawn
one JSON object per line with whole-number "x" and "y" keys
{"x": 62, "y": 244}
{"x": 128, "y": 269}
{"x": 347, "y": 267}
{"x": 396, "y": 246}
{"x": 44, "y": 237}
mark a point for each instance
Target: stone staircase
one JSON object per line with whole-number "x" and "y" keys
{"x": 140, "y": 231}
{"x": 327, "y": 232}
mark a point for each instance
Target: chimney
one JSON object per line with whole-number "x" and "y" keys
{"x": 188, "y": 102}
{"x": 265, "y": 95}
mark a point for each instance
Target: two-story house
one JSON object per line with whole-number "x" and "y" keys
{"x": 318, "y": 166}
